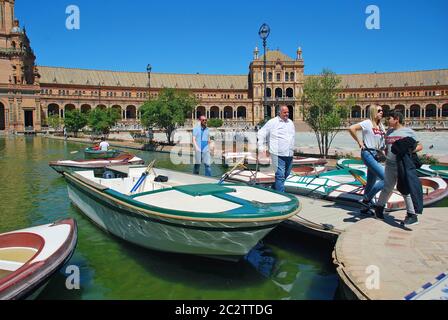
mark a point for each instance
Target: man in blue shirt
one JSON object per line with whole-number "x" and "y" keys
{"x": 201, "y": 145}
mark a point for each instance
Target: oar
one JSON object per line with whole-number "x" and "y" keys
{"x": 224, "y": 177}
{"x": 143, "y": 177}
{"x": 73, "y": 152}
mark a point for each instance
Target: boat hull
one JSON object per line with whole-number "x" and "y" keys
{"x": 223, "y": 240}
{"x": 54, "y": 245}
{"x": 99, "y": 154}
{"x": 98, "y": 165}
{"x": 435, "y": 190}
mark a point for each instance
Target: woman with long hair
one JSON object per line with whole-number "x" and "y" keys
{"x": 372, "y": 146}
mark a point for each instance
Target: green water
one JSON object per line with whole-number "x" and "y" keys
{"x": 287, "y": 265}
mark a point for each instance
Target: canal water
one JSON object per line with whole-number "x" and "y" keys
{"x": 286, "y": 265}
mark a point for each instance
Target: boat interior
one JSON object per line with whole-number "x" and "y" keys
{"x": 186, "y": 189}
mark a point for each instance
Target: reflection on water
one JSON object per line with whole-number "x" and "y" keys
{"x": 286, "y": 265}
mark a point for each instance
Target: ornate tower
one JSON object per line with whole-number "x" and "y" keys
{"x": 18, "y": 74}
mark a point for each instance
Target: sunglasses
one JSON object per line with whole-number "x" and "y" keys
{"x": 381, "y": 110}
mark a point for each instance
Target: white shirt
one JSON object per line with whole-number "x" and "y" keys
{"x": 373, "y": 138}
{"x": 282, "y": 137}
{"x": 104, "y": 146}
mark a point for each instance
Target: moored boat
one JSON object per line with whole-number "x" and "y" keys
{"x": 62, "y": 166}
{"x": 250, "y": 158}
{"x": 434, "y": 171}
{"x": 181, "y": 213}
{"x": 268, "y": 177}
{"x": 29, "y": 257}
{"x": 351, "y": 164}
{"x": 348, "y": 187}
{"x": 93, "y": 153}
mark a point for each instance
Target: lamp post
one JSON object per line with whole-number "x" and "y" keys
{"x": 264, "y": 34}
{"x": 149, "y": 69}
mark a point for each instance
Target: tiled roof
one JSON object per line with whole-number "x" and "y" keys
{"x": 394, "y": 79}
{"x": 56, "y": 75}
{"x": 274, "y": 55}
{"x": 50, "y": 75}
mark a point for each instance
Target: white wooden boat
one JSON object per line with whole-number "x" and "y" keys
{"x": 344, "y": 187}
{"x": 231, "y": 158}
{"x": 434, "y": 171}
{"x": 62, "y": 166}
{"x": 29, "y": 257}
{"x": 186, "y": 214}
{"x": 268, "y": 177}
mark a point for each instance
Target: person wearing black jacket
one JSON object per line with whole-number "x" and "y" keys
{"x": 401, "y": 148}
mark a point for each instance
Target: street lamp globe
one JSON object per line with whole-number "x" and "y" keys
{"x": 264, "y": 31}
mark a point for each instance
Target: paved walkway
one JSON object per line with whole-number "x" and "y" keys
{"x": 404, "y": 259}
{"x": 324, "y": 218}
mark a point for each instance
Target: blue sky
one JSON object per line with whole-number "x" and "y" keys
{"x": 218, "y": 37}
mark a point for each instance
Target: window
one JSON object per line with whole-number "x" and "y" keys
{"x": 292, "y": 76}
{"x": 270, "y": 76}
{"x": 286, "y": 76}
{"x": 278, "y": 77}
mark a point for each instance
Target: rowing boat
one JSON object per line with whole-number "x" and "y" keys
{"x": 434, "y": 171}
{"x": 178, "y": 212}
{"x": 92, "y": 153}
{"x": 268, "y": 177}
{"x": 29, "y": 257}
{"x": 61, "y": 166}
{"x": 250, "y": 158}
{"x": 346, "y": 186}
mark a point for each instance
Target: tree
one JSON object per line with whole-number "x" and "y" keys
{"x": 322, "y": 111}
{"x": 215, "y": 123}
{"x": 101, "y": 121}
{"x": 75, "y": 120}
{"x": 54, "y": 121}
{"x": 168, "y": 111}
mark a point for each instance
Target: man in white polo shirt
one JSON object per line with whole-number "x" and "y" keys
{"x": 280, "y": 133}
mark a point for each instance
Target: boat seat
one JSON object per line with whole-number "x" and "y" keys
{"x": 4, "y": 273}
{"x": 21, "y": 255}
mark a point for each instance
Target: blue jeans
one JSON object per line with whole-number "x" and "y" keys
{"x": 202, "y": 158}
{"x": 283, "y": 166}
{"x": 375, "y": 175}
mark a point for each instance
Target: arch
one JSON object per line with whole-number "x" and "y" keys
{"x": 119, "y": 109}
{"x": 214, "y": 112}
{"x": 53, "y": 109}
{"x": 268, "y": 92}
{"x": 415, "y": 111}
{"x": 228, "y": 112}
{"x": 85, "y": 108}
{"x": 2, "y": 117}
{"x": 200, "y": 111}
{"x": 431, "y": 111}
{"x": 386, "y": 110}
{"x": 131, "y": 112}
{"x": 278, "y": 93}
{"x": 291, "y": 112}
{"x": 356, "y": 112}
{"x": 101, "y": 106}
{"x": 289, "y": 93}
{"x": 367, "y": 111}
{"x": 241, "y": 112}
{"x": 401, "y": 108}
{"x": 69, "y": 107}
{"x": 445, "y": 110}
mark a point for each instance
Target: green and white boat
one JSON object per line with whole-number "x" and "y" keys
{"x": 347, "y": 186}
{"x": 433, "y": 171}
{"x": 186, "y": 214}
{"x": 351, "y": 164}
{"x": 92, "y": 153}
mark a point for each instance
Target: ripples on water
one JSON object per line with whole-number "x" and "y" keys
{"x": 286, "y": 265}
